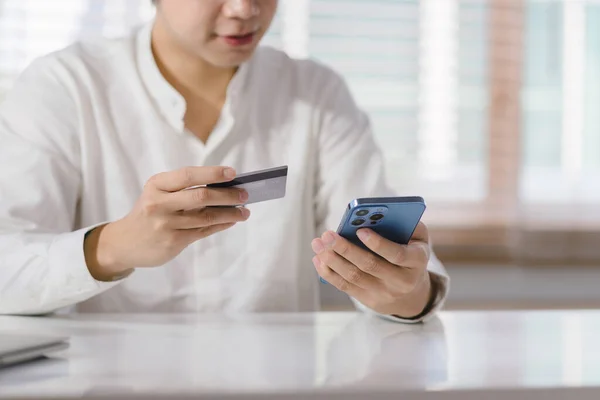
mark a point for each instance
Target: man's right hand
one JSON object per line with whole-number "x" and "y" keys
{"x": 164, "y": 221}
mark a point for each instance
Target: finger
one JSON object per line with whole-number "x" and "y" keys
{"x": 193, "y": 235}
{"x": 413, "y": 255}
{"x": 209, "y": 216}
{"x": 204, "y": 197}
{"x": 350, "y": 272}
{"x": 187, "y": 177}
{"x": 336, "y": 280}
{"x": 421, "y": 233}
{"x": 365, "y": 260}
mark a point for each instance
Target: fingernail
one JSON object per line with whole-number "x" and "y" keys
{"x": 328, "y": 239}
{"x": 323, "y": 281}
{"x": 316, "y": 261}
{"x": 245, "y": 212}
{"x": 229, "y": 173}
{"x": 243, "y": 196}
{"x": 317, "y": 246}
{"x": 363, "y": 234}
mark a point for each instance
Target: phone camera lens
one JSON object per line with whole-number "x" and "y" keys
{"x": 362, "y": 213}
{"x": 376, "y": 217}
{"x": 358, "y": 222}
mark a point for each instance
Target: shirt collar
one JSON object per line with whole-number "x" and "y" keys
{"x": 168, "y": 100}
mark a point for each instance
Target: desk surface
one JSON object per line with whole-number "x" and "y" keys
{"x": 322, "y": 354}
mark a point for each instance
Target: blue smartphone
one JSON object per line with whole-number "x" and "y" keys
{"x": 394, "y": 218}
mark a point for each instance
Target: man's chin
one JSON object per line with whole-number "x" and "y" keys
{"x": 231, "y": 61}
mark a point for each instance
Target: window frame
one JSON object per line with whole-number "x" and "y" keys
{"x": 500, "y": 229}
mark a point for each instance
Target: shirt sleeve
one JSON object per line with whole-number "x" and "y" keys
{"x": 42, "y": 263}
{"x": 351, "y": 165}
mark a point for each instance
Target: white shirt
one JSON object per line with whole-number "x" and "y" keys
{"x": 84, "y": 128}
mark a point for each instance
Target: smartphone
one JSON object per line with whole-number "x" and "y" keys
{"x": 394, "y": 218}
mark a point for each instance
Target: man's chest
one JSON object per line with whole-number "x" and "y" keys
{"x": 202, "y": 117}
{"x": 120, "y": 156}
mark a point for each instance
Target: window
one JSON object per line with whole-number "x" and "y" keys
{"x": 487, "y": 108}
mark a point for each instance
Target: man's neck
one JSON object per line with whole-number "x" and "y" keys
{"x": 190, "y": 75}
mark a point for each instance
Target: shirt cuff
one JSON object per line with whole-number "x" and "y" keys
{"x": 68, "y": 271}
{"x": 441, "y": 285}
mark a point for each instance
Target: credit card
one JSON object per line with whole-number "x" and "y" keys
{"x": 264, "y": 185}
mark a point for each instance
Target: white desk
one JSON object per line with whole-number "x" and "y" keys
{"x": 529, "y": 355}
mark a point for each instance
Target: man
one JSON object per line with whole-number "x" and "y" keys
{"x": 100, "y": 139}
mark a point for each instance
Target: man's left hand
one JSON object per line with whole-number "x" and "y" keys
{"x": 393, "y": 281}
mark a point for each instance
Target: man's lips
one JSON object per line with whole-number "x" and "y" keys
{"x": 239, "y": 40}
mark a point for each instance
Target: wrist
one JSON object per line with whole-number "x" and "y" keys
{"x": 420, "y": 301}
{"x": 102, "y": 262}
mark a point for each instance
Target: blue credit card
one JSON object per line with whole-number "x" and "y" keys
{"x": 263, "y": 185}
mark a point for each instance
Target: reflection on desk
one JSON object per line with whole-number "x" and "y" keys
{"x": 309, "y": 353}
